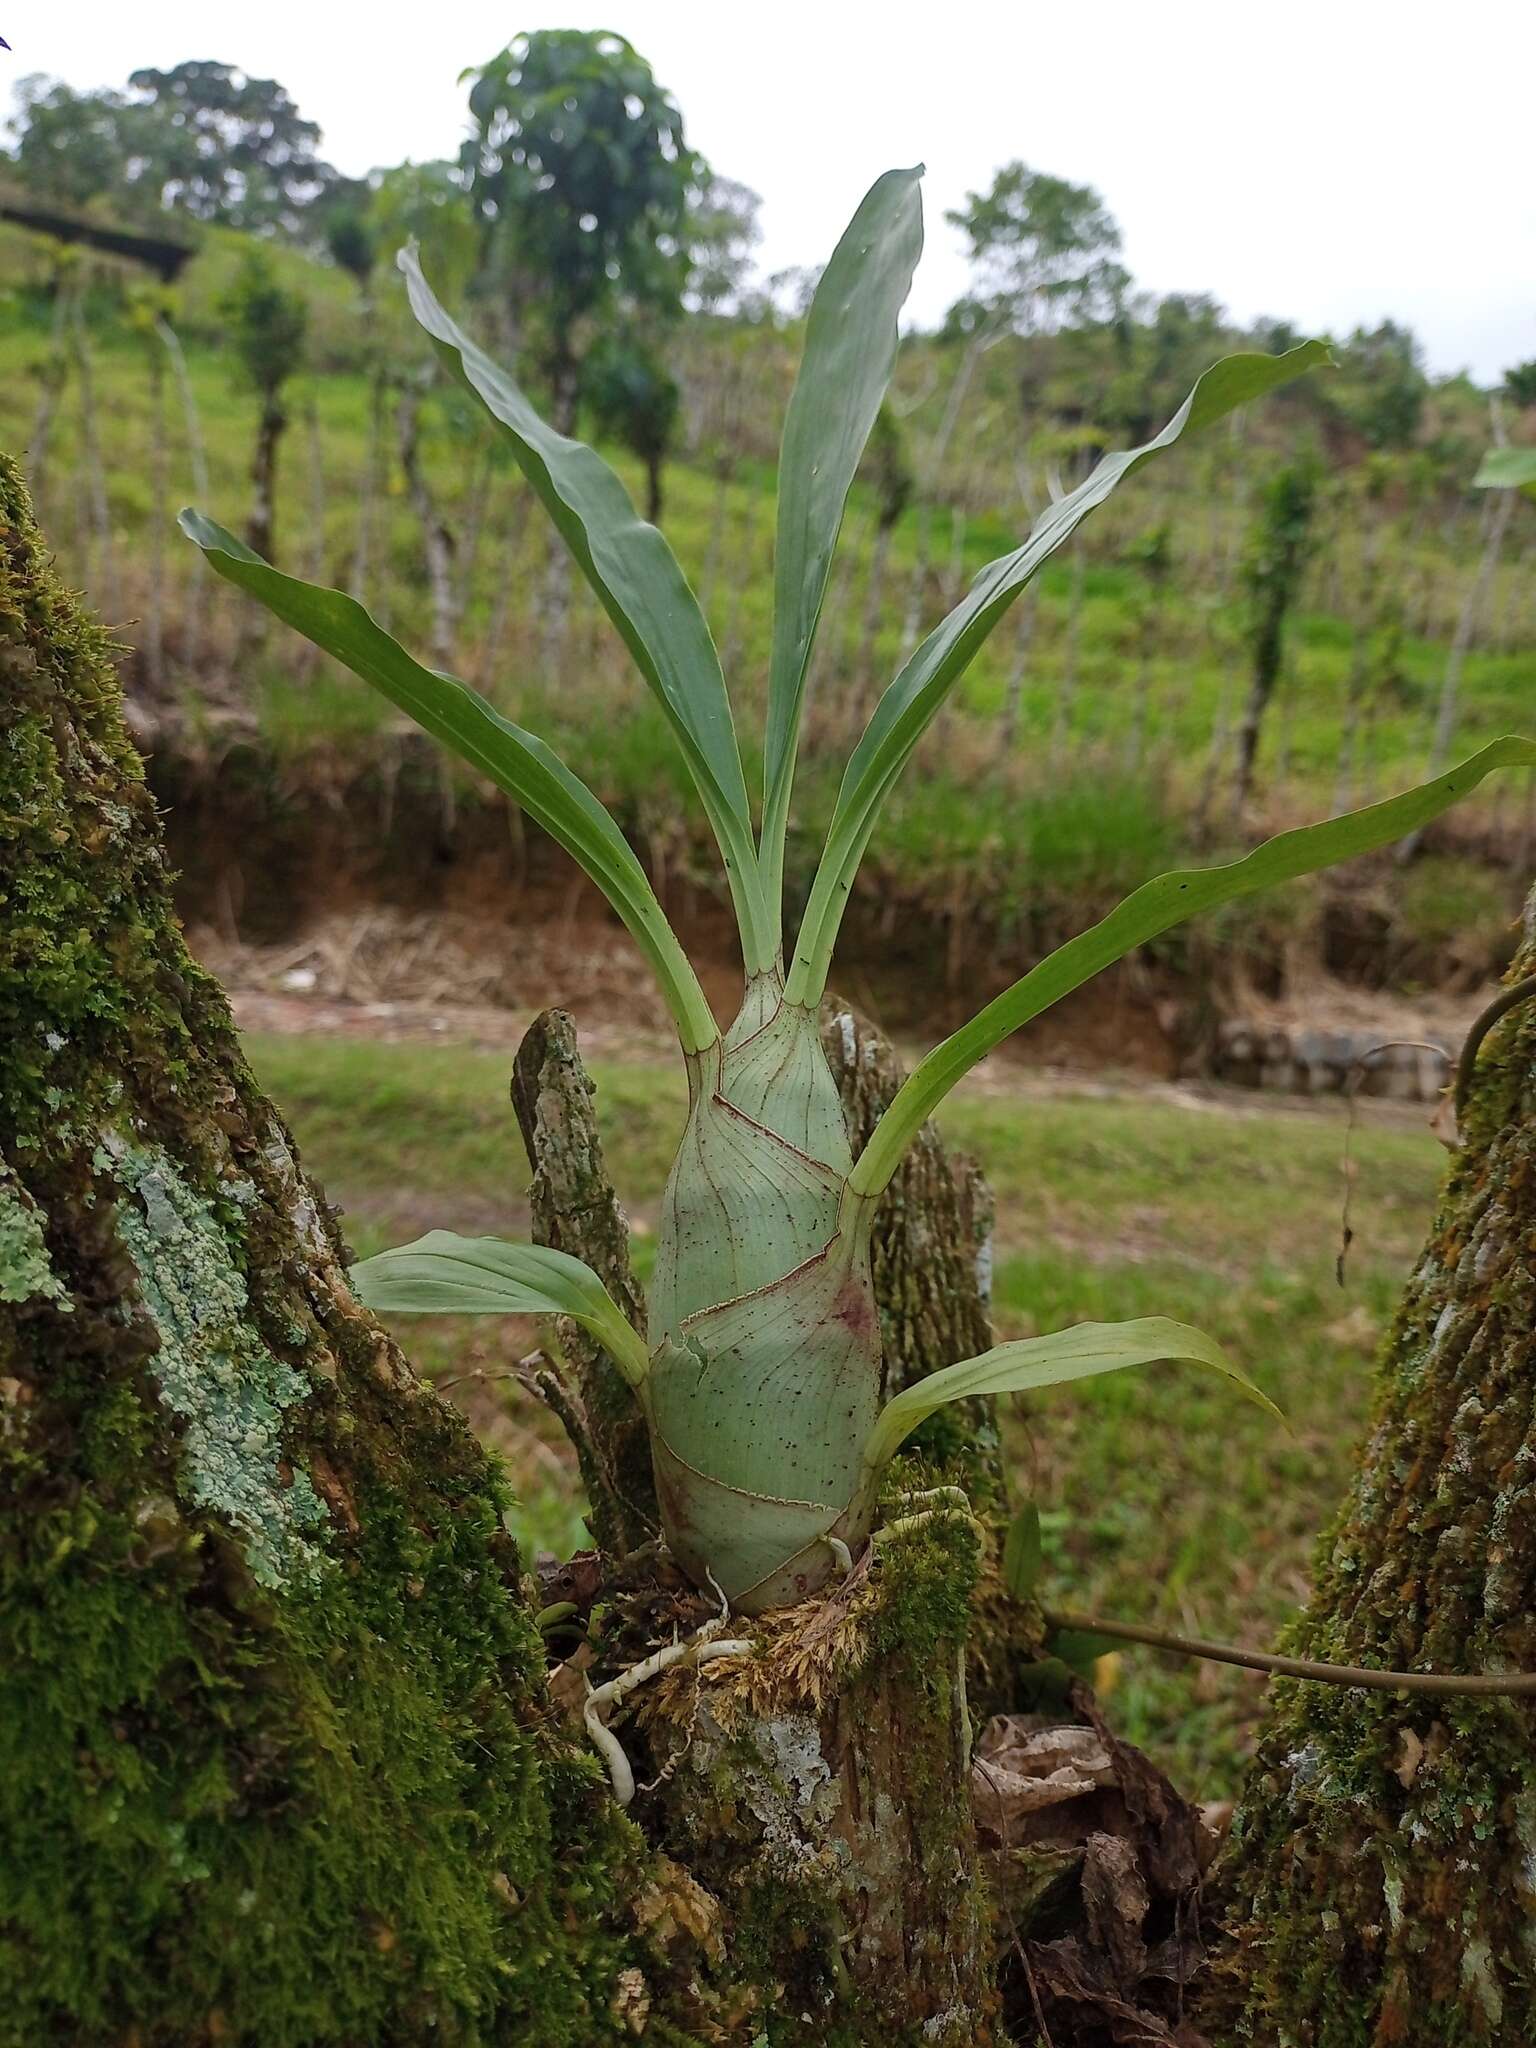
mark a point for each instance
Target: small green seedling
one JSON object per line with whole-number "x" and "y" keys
{"x": 759, "y": 1373}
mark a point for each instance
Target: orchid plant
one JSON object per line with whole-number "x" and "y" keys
{"x": 759, "y": 1372}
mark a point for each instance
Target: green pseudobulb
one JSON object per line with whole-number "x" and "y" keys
{"x": 765, "y": 1340}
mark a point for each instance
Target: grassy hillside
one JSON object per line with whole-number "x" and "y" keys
{"x": 1089, "y": 742}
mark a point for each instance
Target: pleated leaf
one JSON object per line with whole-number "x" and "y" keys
{"x": 912, "y": 700}
{"x": 518, "y": 761}
{"x": 1080, "y": 1353}
{"x": 1155, "y": 908}
{"x": 443, "y": 1274}
{"x": 850, "y": 347}
{"x": 641, "y": 586}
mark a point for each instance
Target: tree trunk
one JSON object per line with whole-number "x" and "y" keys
{"x": 159, "y": 522}
{"x": 197, "y": 461}
{"x": 1066, "y": 691}
{"x": 276, "y": 1764}
{"x": 1380, "y": 1878}
{"x": 555, "y": 602}
{"x": 372, "y": 485}
{"x": 1268, "y": 647}
{"x": 53, "y": 374}
{"x": 1367, "y": 620}
{"x": 874, "y": 592}
{"x": 98, "y": 550}
{"x": 437, "y": 539}
{"x": 1449, "y": 707}
{"x": 259, "y": 531}
{"x": 933, "y": 470}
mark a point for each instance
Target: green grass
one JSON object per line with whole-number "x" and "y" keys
{"x": 1164, "y": 1496}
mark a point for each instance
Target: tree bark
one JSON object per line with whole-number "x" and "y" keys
{"x": 275, "y": 1762}
{"x": 576, "y": 1210}
{"x": 1379, "y": 1881}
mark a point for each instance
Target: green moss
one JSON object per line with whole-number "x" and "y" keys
{"x": 25, "y": 1271}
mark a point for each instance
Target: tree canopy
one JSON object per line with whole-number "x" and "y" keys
{"x": 1044, "y": 250}
{"x": 581, "y": 179}
{"x": 204, "y": 138}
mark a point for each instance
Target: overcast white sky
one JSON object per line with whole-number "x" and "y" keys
{"x": 1329, "y": 164}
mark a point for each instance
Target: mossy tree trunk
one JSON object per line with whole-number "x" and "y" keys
{"x": 275, "y": 1762}
{"x": 1381, "y": 1882}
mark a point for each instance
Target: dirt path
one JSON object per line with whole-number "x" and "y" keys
{"x": 608, "y": 1037}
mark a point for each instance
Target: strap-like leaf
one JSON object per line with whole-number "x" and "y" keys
{"x": 1076, "y": 1354}
{"x": 850, "y": 346}
{"x": 910, "y": 703}
{"x": 518, "y": 761}
{"x": 1154, "y": 908}
{"x": 442, "y": 1274}
{"x": 642, "y": 588}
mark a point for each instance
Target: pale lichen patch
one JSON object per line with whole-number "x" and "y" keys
{"x": 1480, "y": 1980}
{"x": 214, "y": 1373}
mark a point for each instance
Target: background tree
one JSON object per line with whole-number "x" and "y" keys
{"x": 231, "y": 148}
{"x": 1131, "y": 369}
{"x": 1380, "y": 389}
{"x": 267, "y": 326}
{"x": 75, "y": 147}
{"x": 1520, "y": 384}
{"x": 1152, "y": 553}
{"x": 1042, "y": 250}
{"x": 581, "y": 179}
{"x": 635, "y": 399}
{"x": 349, "y": 230}
{"x": 202, "y": 139}
{"x": 723, "y": 231}
{"x": 1278, "y": 551}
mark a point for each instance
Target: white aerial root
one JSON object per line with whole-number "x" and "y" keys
{"x": 702, "y": 1647}
{"x": 706, "y": 1644}
{"x": 947, "y": 1502}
